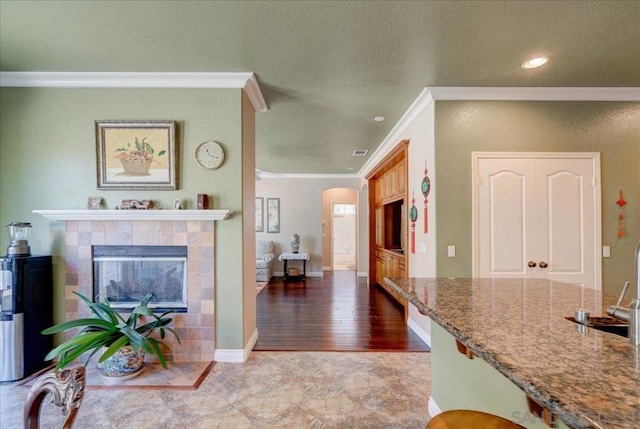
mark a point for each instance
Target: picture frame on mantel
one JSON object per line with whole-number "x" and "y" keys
{"x": 136, "y": 154}
{"x": 273, "y": 215}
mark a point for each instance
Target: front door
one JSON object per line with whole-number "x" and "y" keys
{"x": 538, "y": 215}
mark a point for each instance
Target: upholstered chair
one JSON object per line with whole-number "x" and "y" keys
{"x": 264, "y": 260}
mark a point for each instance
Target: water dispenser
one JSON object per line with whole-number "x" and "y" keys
{"x": 26, "y": 308}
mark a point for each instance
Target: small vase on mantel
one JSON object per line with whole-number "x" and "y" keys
{"x": 295, "y": 243}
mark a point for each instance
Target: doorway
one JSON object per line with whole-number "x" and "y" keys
{"x": 340, "y": 229}
{"x": 538, "y": 215}
{"x": 343, "y": 241}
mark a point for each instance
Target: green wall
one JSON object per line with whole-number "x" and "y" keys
{"x": 472, "y": 384}
{"x": 48, "y": 161}
{"x": 611, "y": 128}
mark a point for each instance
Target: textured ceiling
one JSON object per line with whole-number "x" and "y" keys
{"x": 327, "y": 68}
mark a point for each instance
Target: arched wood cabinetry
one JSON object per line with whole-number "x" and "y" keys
{"x": 388, "y": 197}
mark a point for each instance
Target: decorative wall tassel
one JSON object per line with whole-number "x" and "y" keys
{"x": 425, "y": 187}
{"x": 413, "y": 216}
{"x": 621, "y": 203}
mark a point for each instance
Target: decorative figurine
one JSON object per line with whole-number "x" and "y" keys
{"x": 295, "y": 243}
{"x": 136, "y": 205}
{"x": 177, "y": 205}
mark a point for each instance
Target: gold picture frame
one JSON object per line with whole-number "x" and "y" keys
{"x": 136, "y": 154}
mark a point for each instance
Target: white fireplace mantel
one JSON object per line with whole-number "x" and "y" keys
{"x": 135, "y": 214}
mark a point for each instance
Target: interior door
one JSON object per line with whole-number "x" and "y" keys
{"x": 538, "y": 215}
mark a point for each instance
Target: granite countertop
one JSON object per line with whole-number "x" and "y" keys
{"x": 518, "y": 326}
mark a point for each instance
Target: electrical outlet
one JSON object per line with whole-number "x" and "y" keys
{"x": 451, "y": 251}
{"x": 422, "y": 248}
{"x": 606, "y": 251}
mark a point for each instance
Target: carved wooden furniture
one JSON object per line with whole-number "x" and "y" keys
{"x": 67, "y": 390}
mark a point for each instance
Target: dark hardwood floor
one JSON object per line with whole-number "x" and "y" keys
{"x": 337, "y": 312}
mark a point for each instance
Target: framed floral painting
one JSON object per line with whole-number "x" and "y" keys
{"x": 259, "y": 214}
{"x": 273, "y": 215}
{"x": 136, "y": 154}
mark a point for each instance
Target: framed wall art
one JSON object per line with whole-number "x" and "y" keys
{"x": 136, "y": 154}
{"x": 273, "y": 215}
{"x": 259, "y": 214}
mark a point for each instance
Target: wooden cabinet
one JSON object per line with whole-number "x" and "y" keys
{"x": 387, "y": 224}
{"x": 391, "y": 185}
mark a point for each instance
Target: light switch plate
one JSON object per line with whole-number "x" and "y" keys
{"x": 422, "y": 248}
{"x": 451, "y": 251}
{"x": 606, "y": 251}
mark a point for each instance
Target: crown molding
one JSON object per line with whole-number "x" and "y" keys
{"x": 391, "y": 140}
{"x": 241, "y": 80}
{"x": 313, "y": 176}
{"x": 435, "y": 93}
{"x": 535, "y": 93}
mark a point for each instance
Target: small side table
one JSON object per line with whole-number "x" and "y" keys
{"x": 288, "y": 256}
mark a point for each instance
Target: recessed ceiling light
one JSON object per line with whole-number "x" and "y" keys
{"x": 350, "y": 168}
{"x": 534, "y": 62}
{"x": 379, "y": 118}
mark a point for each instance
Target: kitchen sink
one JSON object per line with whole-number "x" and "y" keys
{"x": 607, "y": 324}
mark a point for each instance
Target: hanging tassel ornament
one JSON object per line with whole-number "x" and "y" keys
{"x": 621, "y": 203}
{"x": 425, "y": 187}
{"x": 413, "y": 216}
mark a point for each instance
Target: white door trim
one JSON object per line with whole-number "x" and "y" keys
{"x": 476, "y": 157}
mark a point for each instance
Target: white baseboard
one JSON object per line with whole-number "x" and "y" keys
{"x": 433, "y": 408}
{"x": 424, "y": 336}
{"x": 327, "y": 268}
{"x": 362, "y": 274}
{"x": 237, "y": 355}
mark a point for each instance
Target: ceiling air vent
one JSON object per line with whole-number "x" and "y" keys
{"x": 360, "y": 152}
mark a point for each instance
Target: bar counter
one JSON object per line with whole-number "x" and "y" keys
{"x": 588, "y": 379}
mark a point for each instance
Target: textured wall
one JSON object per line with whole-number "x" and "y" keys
{"x": 48, "y": 161}
{"x": 611, "y": 128}
{"x": 301, "y": 212}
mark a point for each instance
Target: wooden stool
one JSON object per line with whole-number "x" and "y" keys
{"x": 467, "y": 419}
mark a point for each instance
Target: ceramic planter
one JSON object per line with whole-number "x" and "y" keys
{"x": 123, "y": 365}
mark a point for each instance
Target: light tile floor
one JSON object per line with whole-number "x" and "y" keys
{"x": 270, "y": 390}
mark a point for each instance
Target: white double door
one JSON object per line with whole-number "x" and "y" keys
{"x": 538, "y": 215}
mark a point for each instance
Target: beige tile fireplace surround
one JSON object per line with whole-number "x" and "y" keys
{"x": 196, "y": 327}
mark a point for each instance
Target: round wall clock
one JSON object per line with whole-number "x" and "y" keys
{"x": 210, "y": 155}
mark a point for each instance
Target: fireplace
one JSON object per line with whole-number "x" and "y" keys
{"x": 124, "y": 275}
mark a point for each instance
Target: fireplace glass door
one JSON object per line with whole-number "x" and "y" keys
{"x": 124, "y": 275}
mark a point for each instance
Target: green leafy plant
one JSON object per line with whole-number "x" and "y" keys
{"x": 109, "y": 329}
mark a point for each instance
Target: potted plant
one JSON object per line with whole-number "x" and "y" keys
{"x": 123, "y": 341}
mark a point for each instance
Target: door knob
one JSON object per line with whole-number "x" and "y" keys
{"x": 531, "y": 264}
{"x": 543, "y": 265}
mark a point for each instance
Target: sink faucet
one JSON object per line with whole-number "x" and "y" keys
{"x": 632, "y": 314}
{"x": 634, "y": 308}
